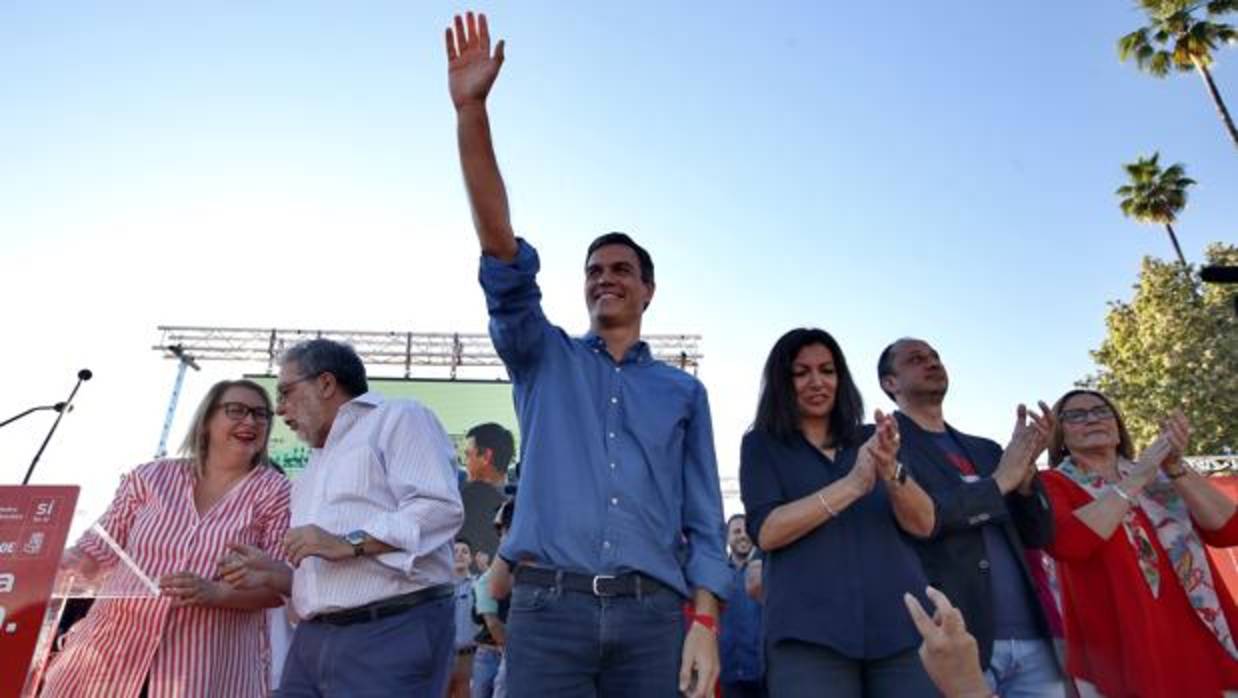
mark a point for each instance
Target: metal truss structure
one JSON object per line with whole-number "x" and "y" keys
{"x": 407, "y": 350}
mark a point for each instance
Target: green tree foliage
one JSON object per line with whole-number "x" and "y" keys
{"x": 1182, "y": 35}
{"x": 1175, "y": 345}
{"x": 1155, "y": 195}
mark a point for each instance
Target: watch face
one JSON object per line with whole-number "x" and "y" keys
{"x": 355, "y": 538}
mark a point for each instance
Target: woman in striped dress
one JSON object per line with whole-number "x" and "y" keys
{"x": 175, "y": 519}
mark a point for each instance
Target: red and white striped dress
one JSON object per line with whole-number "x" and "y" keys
{"x": 187, "y": 652}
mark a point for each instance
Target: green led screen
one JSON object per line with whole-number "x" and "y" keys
{"x": 459, "y": 404}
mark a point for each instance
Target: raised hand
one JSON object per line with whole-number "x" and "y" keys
{"x": 471, "y": 69}
{"x": 949, "y": 653}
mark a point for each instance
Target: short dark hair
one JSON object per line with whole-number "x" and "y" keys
{"x": 732, "y": 517}
{"x": 466, "y": 541}
{"x": 498, "y": 440}
{"x": 642, "y": 255}
{"x": 317, "y": 356}
{"x": 777, "y": 409}
{"x": 885, "y": 362}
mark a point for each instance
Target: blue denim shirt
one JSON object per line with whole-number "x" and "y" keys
{"x": 617, "y": 467}
{"x": 741, "y": 635}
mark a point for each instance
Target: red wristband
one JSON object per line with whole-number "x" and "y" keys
{"x": 707, "y": 621}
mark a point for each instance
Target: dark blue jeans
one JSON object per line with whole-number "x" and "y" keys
{"x": 572, "y": 645}
{"x": 801, "y": 669}
{"x": 408, "y": 654}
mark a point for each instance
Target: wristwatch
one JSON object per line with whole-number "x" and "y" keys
{"x": 900, "y": 473}
{"x": 357, "y": 540}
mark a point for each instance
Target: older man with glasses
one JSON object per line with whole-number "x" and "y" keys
{"x": 374, "y": 516}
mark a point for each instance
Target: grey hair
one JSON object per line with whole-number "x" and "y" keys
{"x": 318, "y": 356}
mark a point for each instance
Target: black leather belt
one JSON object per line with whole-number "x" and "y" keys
{"x": 385, "y": 608}
{"x": 627, "y": 584}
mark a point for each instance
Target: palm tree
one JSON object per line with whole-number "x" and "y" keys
{"x": 1176, "y": 39}
{"x": 1155, "y": 195}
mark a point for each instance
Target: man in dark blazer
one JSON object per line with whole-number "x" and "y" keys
{"x": 990, "y": 506}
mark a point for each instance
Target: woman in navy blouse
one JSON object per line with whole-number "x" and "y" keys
{"x": 829, "y": 504}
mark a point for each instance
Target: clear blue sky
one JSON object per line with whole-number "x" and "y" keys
{"x": 944, "y": 170}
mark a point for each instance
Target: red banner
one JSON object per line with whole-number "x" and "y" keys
{"x": 34, "y": 521}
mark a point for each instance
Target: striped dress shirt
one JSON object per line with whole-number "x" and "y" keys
{"x": 187, "y": 652}
{"x": 387, "y": 468}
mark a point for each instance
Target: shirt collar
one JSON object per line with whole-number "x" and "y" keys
{"x": 638, "y": 353}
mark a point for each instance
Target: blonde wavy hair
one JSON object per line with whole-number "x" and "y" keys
{"x": 197, "y": 441}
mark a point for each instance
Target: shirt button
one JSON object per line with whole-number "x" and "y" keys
{"x": 614, "y": 501}
{"x": 612, "y": 466}
{"x": 606, "y": 544}
{"x": 618, "y": 369}
{"x": 984, "y": 564}
{"x": 614, "y": 401}
{"x": 611, "y": 435}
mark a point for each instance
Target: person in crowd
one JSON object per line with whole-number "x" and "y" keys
{"x": 488, "y": 451}
{"x": 740, "y": 637}
{"x": 619, "y": 498}
{"x": 492, "y": 590}
{"x": 374, "y": 516}
{"x": 1146, "y": 614}
{"x": 173, "y": 518}
{"x": 829, "y": 504}
{"x": 990, "y": 506}
{"x": 466, "y": 628}
{"x": 481, "y": 562}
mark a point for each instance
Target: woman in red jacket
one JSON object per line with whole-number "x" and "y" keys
{"x": 1145, "y": 614}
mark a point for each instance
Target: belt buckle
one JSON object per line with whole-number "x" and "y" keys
{"x": 599, "y": 578}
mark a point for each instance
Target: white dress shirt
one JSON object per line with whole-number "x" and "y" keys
{"x": 386, "y": 469}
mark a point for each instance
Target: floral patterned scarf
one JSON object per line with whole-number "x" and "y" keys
{"x": 1172, "y": 522}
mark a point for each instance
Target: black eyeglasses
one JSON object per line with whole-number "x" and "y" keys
{"x": 1081, "y": 416}
{"x": 237, "y": 411}
{"x": 282, "y": 389}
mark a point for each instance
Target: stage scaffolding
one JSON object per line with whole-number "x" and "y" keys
{"x": 406, "y": 350}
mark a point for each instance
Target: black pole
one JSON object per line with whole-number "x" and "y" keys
{"x": 58, "y": 407}
{"x": 82, "y": 375}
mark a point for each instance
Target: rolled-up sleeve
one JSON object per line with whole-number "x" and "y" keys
{"x": 514, "y": 301}
{"x": 703, "y": 523}
{"x": 428, "y": 512}
{"x": 758, "y": 485}
{"x": 118, "y": 519}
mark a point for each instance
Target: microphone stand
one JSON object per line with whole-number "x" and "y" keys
{"x": 59, "y": 406}
{"x": 82, "y": 375}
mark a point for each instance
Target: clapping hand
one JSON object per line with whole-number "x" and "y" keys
{"x": 246, "y": 567}
{"x": 883, "y": 445}
{"x": 1017, "y": 467}
{"x": 471, "y": 70}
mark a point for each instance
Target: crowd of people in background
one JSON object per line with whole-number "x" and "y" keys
{"x": 897, "y": 557}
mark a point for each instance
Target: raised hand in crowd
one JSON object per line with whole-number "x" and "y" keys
{"x": 471, "y": 72}
{"x": 949, "y": 653}
{"x": 471, "y": 69}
